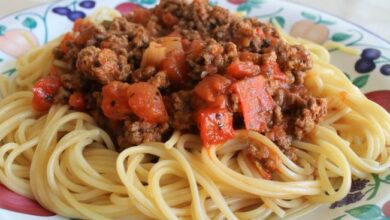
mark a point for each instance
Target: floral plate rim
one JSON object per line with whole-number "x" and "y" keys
{"x": 362, "y": 187}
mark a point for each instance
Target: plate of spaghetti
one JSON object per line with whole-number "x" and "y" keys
{"x": 238, "y": 109}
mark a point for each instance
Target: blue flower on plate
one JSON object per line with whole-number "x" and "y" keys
{"x": 71, "y": 12}
{"x": 368, "y": 60}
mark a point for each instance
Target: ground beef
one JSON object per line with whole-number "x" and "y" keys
{"x": 160, "y": 80}
{"x": 62, "y": 96}
{"x": 103, "y": 65}
{"x": 72, "y": 81}
{"x": 264, "y": 159}
{"x": 70, "y": 56}
{"x": 314, "y": 111}
{"x": 137, "y": 132}
{"x": 136, "y": 34}
{"x": 143, "y": 74}
{"x": 182, "y": 110}
{"x": 117, "y": 43}
{"x": 114, "y": 50}
{"x": 213, "y": 59}
{"x": 293, "y": 58}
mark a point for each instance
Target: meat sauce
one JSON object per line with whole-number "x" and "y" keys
{"x": 190, "y": 67}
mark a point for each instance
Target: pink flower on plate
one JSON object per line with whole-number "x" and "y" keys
{"x": 382, "y": 98}
{"x": 17, "y": 203}
{"x": 127, "y": 7}
{"x": 386, "y": 209}
{"x": 17, "y": 42}
{"x": 310, "y": 31}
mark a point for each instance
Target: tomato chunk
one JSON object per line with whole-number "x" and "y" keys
{"x": 215, "y": 125}
{"x": 77, "y": 101}
{"x": 276, "y": 72}
{"x": 241, "y": 69}
{"x": 212, "y": 88}
{"x": 255, "y": 102}
{"x": 115, "y": 100}
{"x": 249, "y": 56}
{"x": 146, "y": 102}
{"x": 194, "y": 49}
{"x": 141, "y": 16}
{"x": 68, "y": 38}
{"x": 44, "y": 91}
{"x": 81, "y": 24}
{"x": 86, "y": 30}
{"x": 168, "y": 19}
{"x": 176, "y": 66}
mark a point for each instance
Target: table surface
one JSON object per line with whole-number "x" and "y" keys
{"x": 374, "y": 14}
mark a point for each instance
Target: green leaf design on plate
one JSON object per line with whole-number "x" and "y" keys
{"x": 368, "y": 211}
{"x": 29, "y": 23}
{"x": 2, "y": 30}
{"x": 280, "y": 21}
{"x": 148, "y": 2}
{"x": 244, "y": 7}
{"x": 340, "y": 217}
{"x": 255, "y": 2}
{"x": 347, "y": 75}
{"x": 213, "y": 2}
{"x": 388, "y": 177}
{"x": 9, "y": 72}
{"x": 326, "y": 22}
{"x": 360, "y": 81}
{"x": 340, "y": 36}
{"x": 309, "y": 16}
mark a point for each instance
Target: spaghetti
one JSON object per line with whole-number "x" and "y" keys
{"x": 69, "y": 165}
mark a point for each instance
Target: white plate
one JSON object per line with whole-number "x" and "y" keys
{"x": 368, "y": 199}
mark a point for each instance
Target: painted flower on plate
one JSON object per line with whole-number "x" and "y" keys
{"x": 16, "y": 42}
{"x": 309, "y": 30}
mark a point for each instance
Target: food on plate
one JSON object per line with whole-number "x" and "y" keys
{"x": 184, "y": 111}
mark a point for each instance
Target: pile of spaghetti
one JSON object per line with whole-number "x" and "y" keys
{"x": 184, "y": 111}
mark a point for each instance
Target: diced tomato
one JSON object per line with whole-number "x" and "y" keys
{"x": 215, "y": 125}
{"x": 65, "y": 41}
{"x": 86, "y": 30}
{"x": 277, "y": 73}
{"x": 273, "y": 67}
{"x": 241, "y": 69}
{"x": 141, "y": 16}
{"x": 176, "y": 66}
{"x": 249, "y": 56}
{"x": 168, "y": 19}
{"x": 44, "y": 91}
{"x": 77, "y": 101}
{"x": 195, "y": 49}
{"x": 255, "y": 102}
{"x": 186, "y": 44}
{"x": 146, "y": 102}
{"x": 212, "y": 87}
{"x": 81, "y": 24}
{"x": 115, "y": 100}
